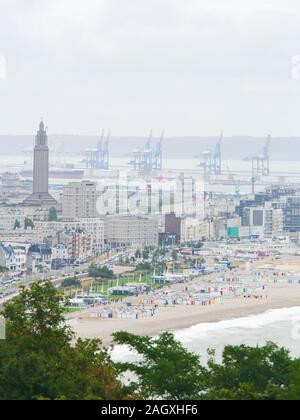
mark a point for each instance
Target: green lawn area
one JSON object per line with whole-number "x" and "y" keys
{"x": 71, "y": 310}
{"x": 101, "y": 286}
{"x": 146, "y": 279}
{"x": 116, "y": 297}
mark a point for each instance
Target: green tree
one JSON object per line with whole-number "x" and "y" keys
{"x": 144, "y": 267}
{"x": 52, "y": 216}
{"x": 166, "y": 370}
{"x": 293, "y": 391}
{"x": 69, "y": 282}
{"x": 197, "y": 244}
{"x": 40, "y": 358}
{"x": 250, "y": 373}
{"x": 146, "y": 254}
{"x": 174, "y": 255}
{"x": 17, "y": 225}
{"x": 100, "y": 272}
{"x": 138, "y": 254}
{"x": 159, "y": 252}
{"x": 28, "y": 223}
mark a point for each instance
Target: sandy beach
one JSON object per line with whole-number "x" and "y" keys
{"x": 179, "y": 317}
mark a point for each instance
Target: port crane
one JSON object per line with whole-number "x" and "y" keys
{"x": 150, "y": 158}
{"x": 98, "y": 158}
{"x": 261, "y": 161}
{"x": 212, "y": 159}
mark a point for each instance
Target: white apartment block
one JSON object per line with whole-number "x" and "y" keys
{"x": 135, "y": 231}
{"x": 79, "y": 200}
{"x": 60, "y": 252}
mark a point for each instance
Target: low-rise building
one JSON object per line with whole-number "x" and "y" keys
{"x": 13, "y": 256}
{"x": 60, "y": 252}
{"x": 39, "y": 258}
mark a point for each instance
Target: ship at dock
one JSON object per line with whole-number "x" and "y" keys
{"x": 56, "y": 173}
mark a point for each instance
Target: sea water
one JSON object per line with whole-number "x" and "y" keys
{"x": 281, "y": 326}
{"x": 25, "y": 161}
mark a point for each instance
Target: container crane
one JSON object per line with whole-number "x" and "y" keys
{"x": 212, "y": 159}
{"x": 261, "y": 161}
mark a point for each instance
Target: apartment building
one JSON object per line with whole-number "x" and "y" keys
{"x": 79, "y": 200}
{"x": 126, "y": 231}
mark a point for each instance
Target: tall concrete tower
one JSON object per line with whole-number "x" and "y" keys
{"x": 40, "y": 195}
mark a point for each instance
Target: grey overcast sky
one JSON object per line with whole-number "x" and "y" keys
{"x": 192, "y": 67}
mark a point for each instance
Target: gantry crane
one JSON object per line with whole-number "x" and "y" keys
{"x": 98, "y": 158}
{"x": 148, "y": 159}
{"x": 261, "y": 161}
{"x": 212, "y": 159}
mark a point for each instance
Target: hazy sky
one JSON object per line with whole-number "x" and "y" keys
{"x": 192, "y": 67}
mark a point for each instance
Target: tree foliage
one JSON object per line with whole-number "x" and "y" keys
{"x": 194, "y": 244}
{"x": 146, "y": 253}
{"x": 145, "y": 266}
{"x": 138, "y": 254}
{"x": 100, "y": 272}
{"x": 166, "y": 370}
{"x": 17, "y": 225}
{"x": 28, "y": 223}
{"x": 52, "y": 216}
{"x": 174, "y": 255}
{"x": 250, "y": 373}
{"x": 70, "y": 282}
{"x": 40, "y": 358}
